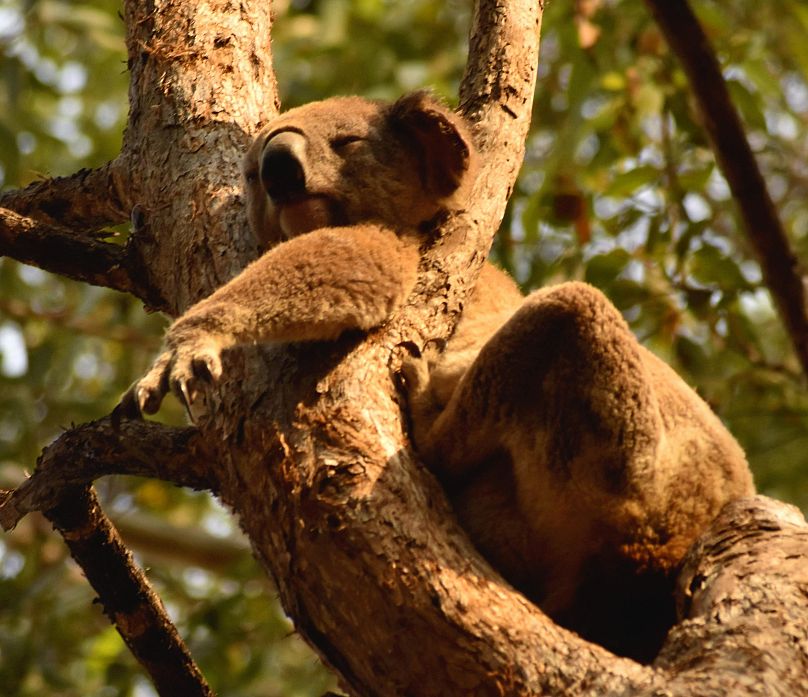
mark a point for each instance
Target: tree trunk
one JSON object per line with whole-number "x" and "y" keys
{"x": 307, "y": 444}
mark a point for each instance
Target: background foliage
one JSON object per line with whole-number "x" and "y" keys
{"x": 619, "y": 188}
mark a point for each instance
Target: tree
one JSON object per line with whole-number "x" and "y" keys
{"x": 310, "y": 451}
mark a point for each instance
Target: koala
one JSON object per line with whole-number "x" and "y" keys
{"x": 580, "y": 465}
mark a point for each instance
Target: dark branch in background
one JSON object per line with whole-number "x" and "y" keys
{"x": 90, "y": 199}
{"x": 92, "y": 450}
{"x": 156, "y": 540}
{"x": 77, "y": 255}
{"x": 128, "y": 600}
{"x": 781, "y": 270}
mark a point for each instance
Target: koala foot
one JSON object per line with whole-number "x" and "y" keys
{"x": 182, "y": 369}
{"x": 414, "y": 373}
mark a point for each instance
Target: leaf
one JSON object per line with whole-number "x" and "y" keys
{"x": 628, "y": 183}
{"x": 696, "y": 179}
{"x": 748, "y": 105}
{"x": 709, "y": 266}
{"x": 602, "y": 269}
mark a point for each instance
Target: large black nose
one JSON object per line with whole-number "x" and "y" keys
{"x": 282, "y": 166}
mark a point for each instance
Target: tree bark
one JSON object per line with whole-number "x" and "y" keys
{"x": 308, "y": 445}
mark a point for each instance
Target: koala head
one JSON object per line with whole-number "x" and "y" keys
{"x": 348, "y": 160}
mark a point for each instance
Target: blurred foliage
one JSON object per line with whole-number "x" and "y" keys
{"x": 619, "y": 188}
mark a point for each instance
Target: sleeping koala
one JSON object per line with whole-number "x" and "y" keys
{"x": 579, "y": 463}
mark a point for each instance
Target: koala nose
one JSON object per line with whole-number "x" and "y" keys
{"x": 282, "y": 172}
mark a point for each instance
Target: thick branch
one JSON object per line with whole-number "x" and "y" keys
{"x": 744, "y": 592}
{"x": 781, "y": 269}
{"x": 89, "y": 451}
{"x": 76, "y": 255}
{"x": 496, "y": 97}
{"x": 90, "y": 199}
{"x": 125, "y": 594}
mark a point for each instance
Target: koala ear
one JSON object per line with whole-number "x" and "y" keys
{"x": 442, "y": 142}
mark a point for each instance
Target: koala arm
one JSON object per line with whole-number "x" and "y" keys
{"x": 311, "y": 288}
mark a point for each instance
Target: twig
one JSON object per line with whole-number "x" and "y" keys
{"x": 781, "y": 270}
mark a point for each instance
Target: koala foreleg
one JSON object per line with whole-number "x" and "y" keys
{"x": 311, "y": 288}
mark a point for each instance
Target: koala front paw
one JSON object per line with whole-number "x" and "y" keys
{"x": 182, "y": 369}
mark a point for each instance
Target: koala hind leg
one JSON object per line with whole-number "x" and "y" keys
{"x": 562, "y": 386}
{"x": 561, "y": 397}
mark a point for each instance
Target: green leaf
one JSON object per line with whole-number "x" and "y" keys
{"x": 628, "y": 183}
{"x": 748, "y": 104}
{"x": 711, "y": 267}
{"x": 602, "y": 269}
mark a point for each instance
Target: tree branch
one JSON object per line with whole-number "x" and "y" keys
{"x": 782, "y": 272}
{"x": 80, "y": 256}
{"x": 126, "y": 595}
{"x": 94, "y": 449}
{"x": 743, "y": 591}
{"x": 90, "y": 199}
{"x": 496, "y": 97}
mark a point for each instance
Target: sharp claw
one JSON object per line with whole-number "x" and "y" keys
{"x": 141, "y": 398}
{"x": 214, "y": 367}
{"x": 186, "y": 395}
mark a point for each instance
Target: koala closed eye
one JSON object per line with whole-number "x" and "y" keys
{"x": 343, "y": 142}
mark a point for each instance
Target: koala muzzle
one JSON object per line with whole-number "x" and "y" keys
{"x": 282, "y": 167}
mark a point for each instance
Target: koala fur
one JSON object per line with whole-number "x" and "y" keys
{"x": 579, "y": 463}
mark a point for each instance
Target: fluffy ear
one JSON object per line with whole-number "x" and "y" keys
{"x": 441, "y": 140}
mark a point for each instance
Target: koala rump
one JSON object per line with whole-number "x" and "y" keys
{"x": 581, "y": 465}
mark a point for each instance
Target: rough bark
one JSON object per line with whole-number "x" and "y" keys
{"x": 126, "y": 596}
{"x": 88, "y": 200}
{"x": 308, "y": 446}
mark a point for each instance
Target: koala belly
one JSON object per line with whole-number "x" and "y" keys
{"x": 582, "y": 466}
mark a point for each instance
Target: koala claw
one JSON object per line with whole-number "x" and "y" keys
{"x": 415, "y": 371}
{"x": 415, "y": 368}
{"x": 127, "y": 408}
